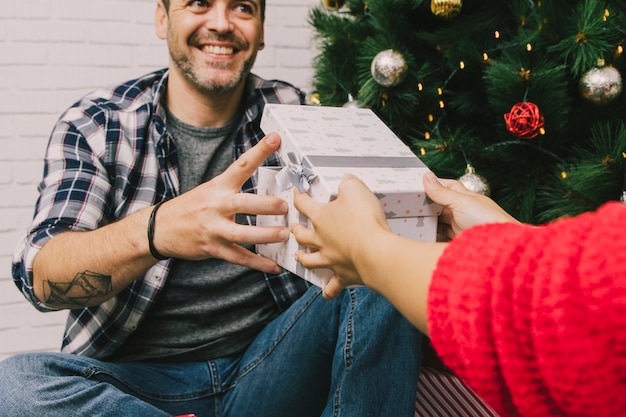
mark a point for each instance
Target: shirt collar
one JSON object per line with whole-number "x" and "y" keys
{"x": 253, "y": 106}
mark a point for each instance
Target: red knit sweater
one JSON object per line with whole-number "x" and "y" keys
{"x": 534, "y": 318}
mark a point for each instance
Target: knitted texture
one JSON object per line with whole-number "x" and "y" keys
{"x": 534, "y": 318}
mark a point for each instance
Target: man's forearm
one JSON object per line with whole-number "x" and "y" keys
{"x": 82, "y": 269}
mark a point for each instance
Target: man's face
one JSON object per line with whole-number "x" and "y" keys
{"x": 212, "y": 44}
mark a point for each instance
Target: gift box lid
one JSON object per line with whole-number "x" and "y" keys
{"x": 334, "y": 131}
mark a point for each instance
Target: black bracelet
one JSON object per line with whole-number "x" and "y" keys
{"x": 153, "y": 250}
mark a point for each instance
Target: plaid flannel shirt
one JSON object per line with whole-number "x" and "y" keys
{"x": 110, "y": 155}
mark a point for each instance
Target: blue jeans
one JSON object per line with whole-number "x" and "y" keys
{"x": 353, "y": 356}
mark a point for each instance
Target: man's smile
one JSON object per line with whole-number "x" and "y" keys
{"x": 218, "y": 50}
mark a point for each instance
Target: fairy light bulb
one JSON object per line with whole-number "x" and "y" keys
{"x": 420, "y": 87}
{"x": 496, "y": 34}
{"x": 529, "y": 47}
{"x": 462, "y": 65}
{"x": 485, "y": 56}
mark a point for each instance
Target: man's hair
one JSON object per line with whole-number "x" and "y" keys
{"x": 166, "y": 3}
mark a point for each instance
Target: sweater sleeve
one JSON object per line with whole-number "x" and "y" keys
{"x": 534, "y": 318}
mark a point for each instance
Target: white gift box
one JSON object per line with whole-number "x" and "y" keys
{"x": 321, "y": 144}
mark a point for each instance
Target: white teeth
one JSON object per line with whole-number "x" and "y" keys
{"x": 218, "y": 50}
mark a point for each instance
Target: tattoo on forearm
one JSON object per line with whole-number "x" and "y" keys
{"x": 77, "y": 293}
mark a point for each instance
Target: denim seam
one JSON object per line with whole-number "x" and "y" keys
{"x": 92, "y": 371}
{"x": 350, "y": 331}
{"x": 217, "y": 383}
{"x": 336, "y": 401}
{"x": 347, "y": 353}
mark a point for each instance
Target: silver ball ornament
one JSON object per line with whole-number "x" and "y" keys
{"x": 351, "y": 103}
{"x": 601, "y": 85}
{"x": 474, "y": 182}
{"x": 389, "y": 68}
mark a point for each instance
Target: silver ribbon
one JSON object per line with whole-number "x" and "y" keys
{"x": 299, "y": 173}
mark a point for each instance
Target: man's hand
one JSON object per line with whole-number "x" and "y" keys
{"x": 200, "y": 223}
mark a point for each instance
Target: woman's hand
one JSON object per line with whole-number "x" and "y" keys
{"x": 340, "y": 229}
{"x": 462, "y": 209}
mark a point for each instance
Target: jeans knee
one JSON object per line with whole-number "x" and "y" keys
{"x": 15, "y": 365}
{"x": 14, "y": 377}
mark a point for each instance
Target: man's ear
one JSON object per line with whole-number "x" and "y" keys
{"x": 262, "y": 38}
{"x": 160, "y": 20}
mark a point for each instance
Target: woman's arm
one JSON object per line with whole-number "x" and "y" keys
{"x": 532, "y": 318}
{"x": 351, "y": 236}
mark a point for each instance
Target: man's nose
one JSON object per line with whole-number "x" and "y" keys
{"x": 219, "y": 18}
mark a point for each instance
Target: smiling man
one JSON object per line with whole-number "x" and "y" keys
{"x": 144, "y": 230}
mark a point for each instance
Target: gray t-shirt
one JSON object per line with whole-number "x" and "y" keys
{"x": 208, "y": 309}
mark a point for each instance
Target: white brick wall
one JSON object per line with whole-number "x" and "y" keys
{"x": 52, "y": 53}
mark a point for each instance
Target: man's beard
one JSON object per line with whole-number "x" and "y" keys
{"x": 203, "y": 81}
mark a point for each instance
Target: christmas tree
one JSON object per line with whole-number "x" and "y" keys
{"x": 518, "y": 98}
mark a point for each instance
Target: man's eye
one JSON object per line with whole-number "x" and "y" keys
{"x": 198, "y": 4}
{"x": 245, "y": 8}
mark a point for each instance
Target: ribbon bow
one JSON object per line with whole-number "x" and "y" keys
{"x": 299, "y": 173}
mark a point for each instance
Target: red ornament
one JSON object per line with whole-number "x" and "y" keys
{"x": 524, "y": 120}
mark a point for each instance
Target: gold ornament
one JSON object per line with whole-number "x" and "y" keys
{"x": 474, "y": 182}
{"x": 602, "y": 84}
{"x": 446, "y": 9}
{"x": 313, "y": 99}
{"x": 333, "y": 4}
{"x": 389, "y": 68}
